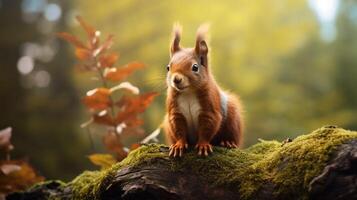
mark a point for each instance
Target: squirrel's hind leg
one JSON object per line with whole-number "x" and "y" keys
{"x": 230, "y": 134}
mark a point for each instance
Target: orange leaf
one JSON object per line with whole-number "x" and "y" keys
{"x": 82, "y": 54}
{"x": 145, "y": 100}
{"x": 9, "y": 168}
{"x": 97, "y": 99}
{"x": 127, "y": 86}
{"x": 16, "y": 175}
{"x": 90, "y": 30}
{"x": 113, "y": 144}
{"x": 132, "y": 106}
{"x": 105, "y": 46}
{"x": 103, "y": 160}
{"x": 115, "y": 74}
{"x": 103, "y": 117}
{"x": 108, "y": 60}
{"x": 71, "y": 39}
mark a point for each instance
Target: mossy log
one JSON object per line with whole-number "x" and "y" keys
{"x": 319, "y": 165}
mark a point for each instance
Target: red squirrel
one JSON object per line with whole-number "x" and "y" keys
{"x": 198, "y": 111}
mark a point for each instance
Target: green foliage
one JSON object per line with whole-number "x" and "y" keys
{"x": 268, "y": 52}
{"x": 249, "y": 46}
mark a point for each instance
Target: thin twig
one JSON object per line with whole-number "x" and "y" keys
{"x": 152, "y": 136}
{"x": 105, "y": 84}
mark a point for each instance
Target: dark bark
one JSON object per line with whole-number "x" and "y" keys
{"x": 156, "y": 181}
{"x": 339, "y": 178}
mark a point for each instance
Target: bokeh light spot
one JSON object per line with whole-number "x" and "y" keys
{"x": 33, "y": 6}
{"x": 53, "y": 12}
{"x": 42, "y": 78}
{"x": 25, "y": 65}
{"x": 326, "y": 10}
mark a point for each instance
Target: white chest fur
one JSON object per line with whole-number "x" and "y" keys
{"x": 190, "y": 107}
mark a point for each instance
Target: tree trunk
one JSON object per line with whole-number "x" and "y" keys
{"x": 148, "y": 173}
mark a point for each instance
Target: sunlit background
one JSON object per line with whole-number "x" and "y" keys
{"x": 293, "y": 62}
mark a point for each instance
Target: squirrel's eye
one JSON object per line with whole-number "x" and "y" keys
{"x": 168, "y": 67}
{"x": 195, "y": 67}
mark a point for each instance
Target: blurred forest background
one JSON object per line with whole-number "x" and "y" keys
{"x": 293, "y": 62}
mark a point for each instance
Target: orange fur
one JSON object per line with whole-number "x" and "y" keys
{"x": 198, "y": 91}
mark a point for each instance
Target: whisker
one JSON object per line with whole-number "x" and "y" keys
{"x": 155, "y": 80}
{"x": 157, "y": 83}
{"x": 159, "y": 87}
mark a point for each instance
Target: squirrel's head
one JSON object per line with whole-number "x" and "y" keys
{"x": 188, "y": 67}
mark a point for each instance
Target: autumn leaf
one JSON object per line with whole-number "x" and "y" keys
{"x": 124, "y": 120}
{"x": 126, "y": 116}
{"x": 105, "y": 46}
{"x": 5, "y": 136}
{"x": 132, "y": 106}
{"x": 82, "y": 54}
{"x": 17, "y": 175}
{"x": 102, "y": 160}
{"x": 118, "y": 74}
{"x": 88, "y": 28}
{"x": 112, "y": 142}
{"x": 71, "y": 39}
{"x": 93, "y": 34}
{"x": 108, "y": 60}
{"x": 97, "y": 99}
{"x": 139, "y": 103}
{"x": 126, "y": 85}
{"x": 143, "y": 101}
{"x": 9, "y": 168}
{"x": 103, "y": 117}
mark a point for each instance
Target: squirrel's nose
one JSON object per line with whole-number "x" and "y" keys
{"x": 177, "y": 80}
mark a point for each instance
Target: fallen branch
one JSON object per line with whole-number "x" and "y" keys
{"x": 319, "y": 165}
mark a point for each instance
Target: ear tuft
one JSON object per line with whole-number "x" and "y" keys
{"x": 176, "y": 37}
{"x": 201, "y": 47}
{"x": 201, "y": 34}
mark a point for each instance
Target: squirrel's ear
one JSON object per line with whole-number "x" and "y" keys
{"x": 201, "y": 47}
{"x": 175, "y": 44}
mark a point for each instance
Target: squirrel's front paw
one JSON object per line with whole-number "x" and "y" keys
{"x": 229, "y": 144}
{"x": 204, "y": 148}
{"x": 177, "y": 148}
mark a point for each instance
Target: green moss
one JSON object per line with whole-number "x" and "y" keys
{"x": 289, "y": 167}
{"x": 89, "y": 185}
{"x": 51, "y": 183}
{"x": 263, "y": 147}
{"x": 294, "y": 165}
{"x": 144, "y": 154}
